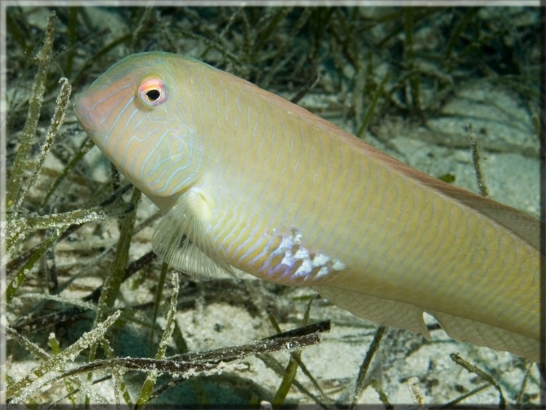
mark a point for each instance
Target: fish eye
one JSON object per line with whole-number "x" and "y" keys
{"x": 152, "y": 91}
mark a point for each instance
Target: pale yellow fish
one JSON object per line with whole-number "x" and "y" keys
{"x": 263, "y": 186}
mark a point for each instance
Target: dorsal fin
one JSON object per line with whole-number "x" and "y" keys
{"x": 517, "y": 222}
{"x": 521, "y": 224}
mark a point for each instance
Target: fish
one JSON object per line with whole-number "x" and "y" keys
{"x": 249, "y": 182}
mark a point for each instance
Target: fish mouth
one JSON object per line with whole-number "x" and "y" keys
{"x": 80, "y": 104}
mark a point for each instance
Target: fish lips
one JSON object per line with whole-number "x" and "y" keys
{"x": 81, "y": 106}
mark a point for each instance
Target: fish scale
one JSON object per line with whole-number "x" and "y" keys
{"x": 262, "y": 186}
{"x": 449, "y": 250}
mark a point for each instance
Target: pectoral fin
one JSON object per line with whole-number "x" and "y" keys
{"x": 183, "y": 241}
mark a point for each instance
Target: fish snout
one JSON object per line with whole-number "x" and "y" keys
{"x": 81, "y": 106}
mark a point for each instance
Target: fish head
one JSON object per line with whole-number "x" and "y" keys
{"x": 140, "y": 115}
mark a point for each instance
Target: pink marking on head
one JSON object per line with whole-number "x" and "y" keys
{"x": 99, "y": 106}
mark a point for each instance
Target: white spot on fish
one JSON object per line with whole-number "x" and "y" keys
{"x": 320, "y": 260}
{"x": 311, "y": 262}
{"x": 305, "y": 268}
{"x": 322, "y": 272}
{"x": 302, "y": 253}
{"x": 286, "y": 245}
{"x": 288, "y": 259}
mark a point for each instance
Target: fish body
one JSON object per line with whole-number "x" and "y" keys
{"x": 263, "y": 186}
